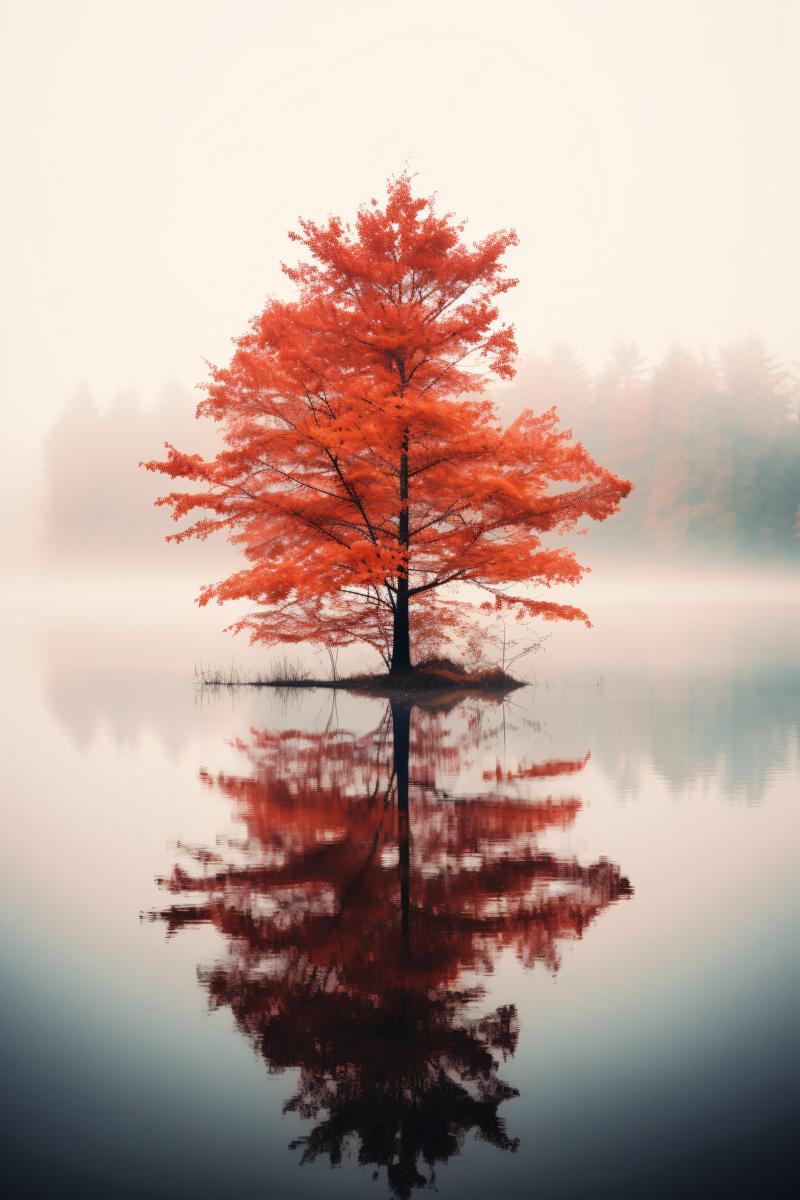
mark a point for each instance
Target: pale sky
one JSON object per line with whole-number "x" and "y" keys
{"x": 154, "y": 155}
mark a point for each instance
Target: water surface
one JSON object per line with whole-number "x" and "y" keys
{"x": 312, "y": 946}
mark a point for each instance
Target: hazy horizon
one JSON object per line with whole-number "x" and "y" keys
{"x": 157, "y": 155}
{"x": 534, "y": 886}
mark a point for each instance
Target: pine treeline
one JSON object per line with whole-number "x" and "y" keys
{"x": 711, "y": 445}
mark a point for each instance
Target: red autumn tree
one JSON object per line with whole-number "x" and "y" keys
{"x": 361, "y": 905}
{"x": 364, "y": 469}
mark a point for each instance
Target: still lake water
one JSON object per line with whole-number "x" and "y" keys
{"x": 550, "y": 949}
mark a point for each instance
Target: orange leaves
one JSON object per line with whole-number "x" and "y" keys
{"x": 319, "y": 810}
{"x": 361, "y": 471}
{"x": 185, "y": 466}
{"x": 361, "y": 903}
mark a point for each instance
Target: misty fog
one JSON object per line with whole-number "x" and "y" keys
{"x": 247, "y": 928}
{"x": 711, "y": 444}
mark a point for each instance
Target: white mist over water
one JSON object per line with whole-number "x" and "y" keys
{"x": 155, "y": 156}
{"x": 690, "y": 717}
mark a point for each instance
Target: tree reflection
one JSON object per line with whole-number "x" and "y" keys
{"x": 364, "y": 902}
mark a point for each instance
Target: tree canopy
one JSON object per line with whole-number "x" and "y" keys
{"x": 365, "y": 469}
{"x": 360, "y": 909}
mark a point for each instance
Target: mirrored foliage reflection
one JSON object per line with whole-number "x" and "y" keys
{"x": 371, "y": 892}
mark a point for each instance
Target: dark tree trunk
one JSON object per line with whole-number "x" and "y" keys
{"x": 401, "y": 641}
{"x": 401, "y": 728}
{"x": 405, "y": 880}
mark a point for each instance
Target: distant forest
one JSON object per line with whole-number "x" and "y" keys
{"x": 712, "y": 445}
{"x": 98, "y": 504}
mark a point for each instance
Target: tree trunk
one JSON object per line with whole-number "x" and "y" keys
{"x": 401, "y": 747}
{"x": 404, "y": 838}
{"x": 401, "y": 731}
{"x": 401, "y": 641}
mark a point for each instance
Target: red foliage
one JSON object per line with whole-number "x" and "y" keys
{"x": 364, "y": 469}
{"x": 323, "y": 810}
{"x": 360, "y": 908}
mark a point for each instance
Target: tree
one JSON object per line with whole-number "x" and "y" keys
{"x": 87, "y": 458}
{"x": 364, "y": 469}
{"x": 360, "y": 909}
